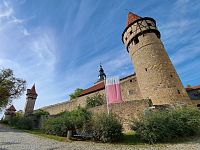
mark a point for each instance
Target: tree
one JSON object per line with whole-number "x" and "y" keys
{"x": 76, "y": 93}
{"x": 95, "y": 100}
{"x": 11, "y": 87}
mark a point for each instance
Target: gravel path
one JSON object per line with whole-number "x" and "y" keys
{"x": 11, "y": 139}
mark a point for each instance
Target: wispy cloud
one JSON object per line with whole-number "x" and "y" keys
{"x": 60, "y": 50}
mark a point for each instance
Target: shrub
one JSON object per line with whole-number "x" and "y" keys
{"x": 14, "y": 120}
{"x": 76, "y": 93}
{"x": 54, "y": 126}
{"x": 4, "y": 121}
{"x": 79, "y": 117}
{"x": 165, "y": 125}
{"x": 106, "y": 128}
{"x": 66, "y": 121}
{"x": 21, "y": 122}
{"x": 24, "y": 123}
{"x": 40, "y": 112}
{"x": 94, "y": 101}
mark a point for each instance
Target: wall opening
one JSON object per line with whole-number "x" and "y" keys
{"x": 131, "y": 80}
{"x": 131, "y": 32}
{"x": 130, "y": 92}
{"x": 136, "y": 40}
{"x": 145, "y": 69}
{"x": 179, "y": 92}
{"x": 149, "y": 24}
{"x": 171, "y": 76}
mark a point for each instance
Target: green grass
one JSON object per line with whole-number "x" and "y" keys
{"x": 130, "y": 138}
{"x": 40, "y": 133}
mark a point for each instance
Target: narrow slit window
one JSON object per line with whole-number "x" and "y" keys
{"x": 136, "y": 40}
{"x": 179, "y": 92}
{"x": 145, "y": 69}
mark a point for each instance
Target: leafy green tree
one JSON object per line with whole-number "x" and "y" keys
{"x": 93, "y": 101}
{"x": 11, "y": 87}
{"x": 76, "y": 93}
{"x": 40, "y": 112}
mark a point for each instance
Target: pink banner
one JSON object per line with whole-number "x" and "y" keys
{"x": 113, "y": 91}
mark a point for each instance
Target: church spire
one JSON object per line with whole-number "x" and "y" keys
{"x": 102, "y": 75}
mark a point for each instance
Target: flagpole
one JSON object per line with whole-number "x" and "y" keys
{"x": 106, "y": 97}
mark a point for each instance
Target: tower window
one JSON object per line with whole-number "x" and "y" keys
{"x": 131, "y": 80}
{"x": 131, "y": 32}
{"x": 179, "y": 92}
{"x": 149, "y": 24}
{"x": 126, "y": 38}
{"x": 171, "y": 76}
{"x": 145, "y": 69}
{"x": 136, "y": 40}
{"x": 130, "y": 92}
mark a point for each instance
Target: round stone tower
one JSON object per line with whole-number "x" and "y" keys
{"x": 31, "y": 97}
{"x": 156, "y": 75}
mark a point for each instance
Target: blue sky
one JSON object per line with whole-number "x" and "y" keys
{"x": 58, "y": 44}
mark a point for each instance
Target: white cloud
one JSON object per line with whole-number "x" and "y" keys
{"x": 31, "y": 54}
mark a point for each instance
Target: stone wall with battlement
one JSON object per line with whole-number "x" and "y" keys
{"x": 125, "y": 111}
{"x": 129, "y": 88}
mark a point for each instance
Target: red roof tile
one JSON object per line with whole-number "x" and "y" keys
{"x": 11, "y": 108}
{"x": 131, "y": 17}
{"x": 97, "y": 87}
{"x": 33, "y": 91}
{"x": 192, "y": 88}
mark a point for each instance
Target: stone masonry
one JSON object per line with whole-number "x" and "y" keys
{"x": 156, "y": 75}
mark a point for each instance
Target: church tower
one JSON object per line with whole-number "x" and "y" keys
{"x": 156, "y": 75}
{"x": 31, "y": 97}
{"x": 102, "y": 75}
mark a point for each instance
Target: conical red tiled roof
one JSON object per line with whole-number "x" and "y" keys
{"x": 11, "y": 108}
{"x": 131, "y": 17}
{"x": 33, "y": 91}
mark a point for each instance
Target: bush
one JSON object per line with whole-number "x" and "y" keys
{"x": 76, "y": 93}
{"x": 21, "y": 122}
{"x": 54, "y": 126}
{"x": 4, "y": 121}
{"x": 106, "y": 128}
{"x": 165, "y": 125}
{"x": 94, "y": 101}
{"x": 66, "y": 121}
{"x": 25, "y": 123}
{"x": 79, "y": 117}
{"x": 40, "y": 112}
{"x": 14, "y": 120}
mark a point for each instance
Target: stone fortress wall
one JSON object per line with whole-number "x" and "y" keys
{"x": 129, "y": 88}
{"x": 125, "y": 111}
{"x": 156, "y": 76}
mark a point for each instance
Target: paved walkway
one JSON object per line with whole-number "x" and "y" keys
{"x": 11, "y": 139}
